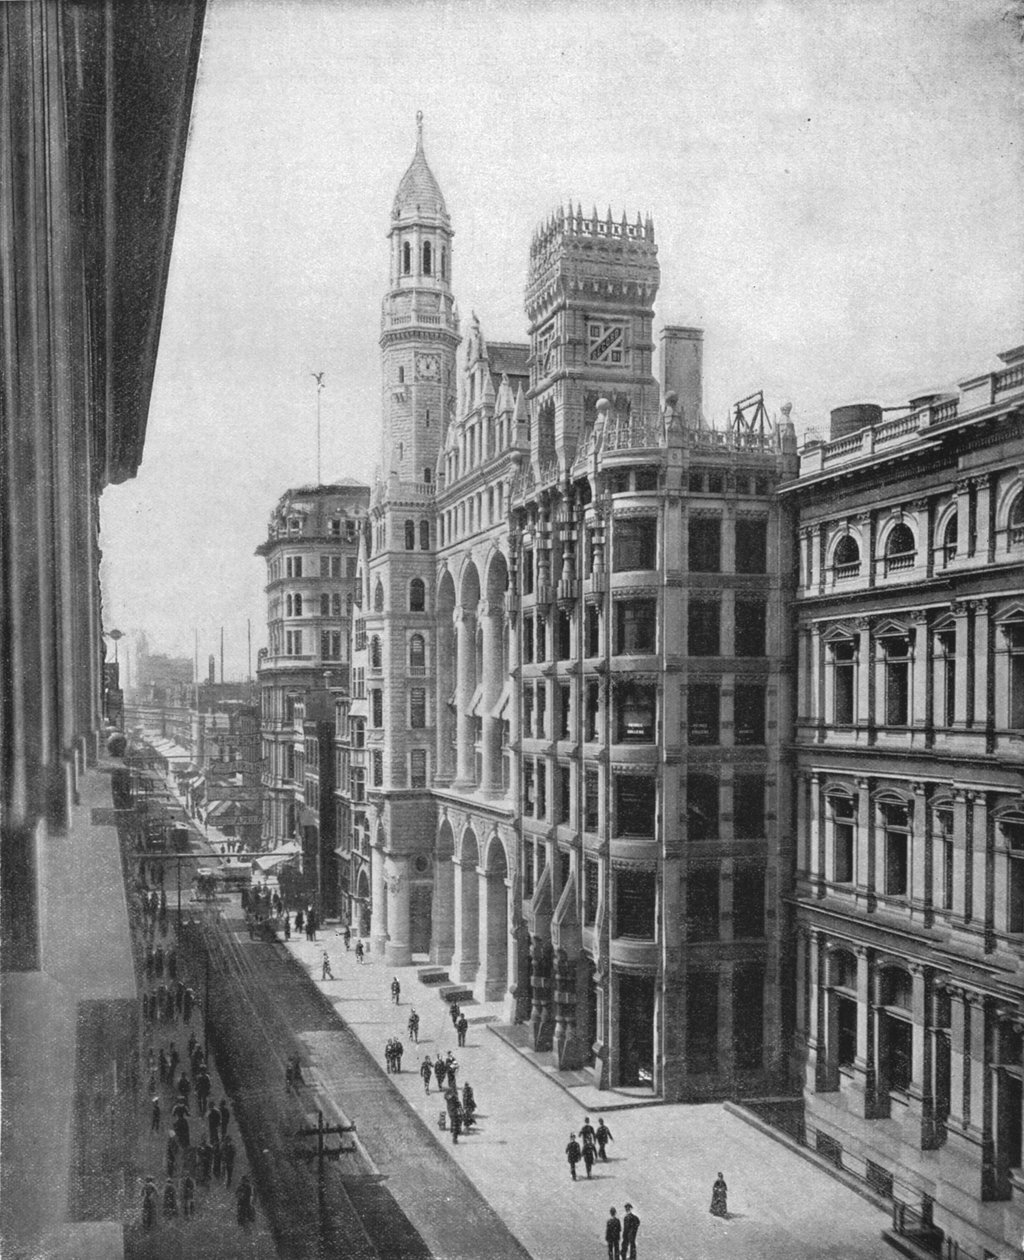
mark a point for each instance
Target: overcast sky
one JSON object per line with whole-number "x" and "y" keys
{"x": 837, "y": 192}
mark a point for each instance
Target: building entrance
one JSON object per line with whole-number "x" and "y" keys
{"x": 636, "y": 1030}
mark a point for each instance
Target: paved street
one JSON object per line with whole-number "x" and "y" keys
{"x": 663, "y": 1158}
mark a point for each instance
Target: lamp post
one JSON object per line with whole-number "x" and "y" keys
{"x": 116, "y": 635}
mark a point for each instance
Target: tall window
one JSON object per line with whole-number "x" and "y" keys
{"x": 406, "y": 258}
{"x": 751, "y": 627}
{"x": 330, "y": 645}
{"x": 702, "y": 713}
{"x": 591, "y": 712}
{"x": 846, "y": 558}
{"x": 591, "y": 890}
{"x": 417, "y": 595}
{"x": 378, "y": 597}
{"x": 591, "y": 800}
{"x": 1013, "y": 637}
{"x": 417, "y": 654}
{"x": 377, "y": 707}
{"x": 635, "y": 904}
{"x": 592, "y": 630}
{"x": 705, "y": 541}
{"x": 418, "y": 768}
{"x": 1013, "y": 836}
{"x": 635, "y": 626}
{"x": 297, "y": 605}
{"x": 428, "y": 259}
{"x": 418, "y": 708}
{"x": 635, "y": 713}
{"x": 895, "y": 822}
{"x": 748, "y": 806}
{"x": 949, "y": 540}
{"x": 942, "y": 858}
{"x": 748, "y": 902}
{"x": 843, "y": 811}
{"x": 376, "y": 652}
{"x": 900, "y": 549}
{"x": 896, "y": 1039}
{"x": 425, "y": 529}
{"x": 751, "y": 546}
{"x": 325, "y": 605}
{"x": 844, "y": 665}
{"x": 636, "y": 544}
{"x": 749, "y": 713}
{"x": 704, "y": 626}
{"x": 410, "y": 536}
{"x": 702, "y": 806}
{"x": 896, "y": 653}
{"x": 377, "y": 767}
{"x": 702, "y": 902}
{"x": 635, "y": 804}
{"x": 945, "y": 692}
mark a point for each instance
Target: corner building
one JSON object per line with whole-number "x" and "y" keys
{"x": 909, "y": 807}
{"x": 577, "y": 667}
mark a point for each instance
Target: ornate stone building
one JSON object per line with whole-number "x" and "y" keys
{"x": 910, "y": 811}
{"x": 573, "y": 668}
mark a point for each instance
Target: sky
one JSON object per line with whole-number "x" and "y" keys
{"x": 837, "y": 189}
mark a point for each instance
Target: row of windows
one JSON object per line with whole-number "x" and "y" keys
{"x": 418, "y": 768}
{"x": 410, "y": 535}
{"x": 330, "y": 644}
{"x": 475, "y": 512}
{"x": 427, "y": 257}
{"x": 705, "y": 545}
{"x": 416, "y": 657}
{"x": 297, "y": 605}
{"x": 417, "y": 596}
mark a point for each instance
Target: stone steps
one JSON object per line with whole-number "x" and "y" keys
{"x": 432, "y": 975}
{"x": 455, "y": 993}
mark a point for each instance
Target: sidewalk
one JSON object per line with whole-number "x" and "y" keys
{"x": 663, "y": 1159}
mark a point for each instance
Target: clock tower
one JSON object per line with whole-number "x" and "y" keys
{"x": 419, "y": 326}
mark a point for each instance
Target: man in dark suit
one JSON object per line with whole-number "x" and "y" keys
{"x": 630, "y": 1225}
{"x": 612, "y": 1234}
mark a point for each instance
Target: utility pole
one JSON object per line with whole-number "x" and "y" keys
{"x": 322, "y": 1153}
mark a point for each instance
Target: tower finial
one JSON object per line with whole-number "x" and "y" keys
{"x": 419, "y": 129}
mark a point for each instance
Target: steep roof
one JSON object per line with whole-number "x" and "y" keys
{"x": 419, "y": 194}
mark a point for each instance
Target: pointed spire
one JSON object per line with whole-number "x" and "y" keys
{"x": 504, "y": 402}
{"x": 520, "y": 415}
{"x": 419, "y": 131}
{"x": 487, "y": 394}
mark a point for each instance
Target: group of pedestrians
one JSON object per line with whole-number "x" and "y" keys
{"x": 620, "y": 1234}
{"x": 589, "y": 1147}
{"x": 393, "y": 1051}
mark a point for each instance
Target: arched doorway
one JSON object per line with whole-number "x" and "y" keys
{"x": 442, "y": 940}
{"x": 466, "y": 959}
{"x": 492, "y": 978}
{"x": 363, "y": 903}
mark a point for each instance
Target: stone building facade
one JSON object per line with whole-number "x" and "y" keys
{"x": 571, "y": 672}
{"x": 910, "y": 809}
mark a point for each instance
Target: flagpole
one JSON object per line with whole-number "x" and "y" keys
{"x": 319, "y": 378}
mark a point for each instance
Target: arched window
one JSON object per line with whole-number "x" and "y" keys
{"x": 428, "y": 258}
{"x": 287, "y": 605}
{"x": 378, "y": 597}
{"x": 1015, "y": 521}
{"x": 900, "y": 549}
{"x": 444, "y": 263}
{"x": 410, "y": 536}
{"x": 417, "y": 653}
{"x": 325, "y": 605}
{"x": 425, "y": 535}
{"x": 426, "y": 476}
{"x": 846, "y": 561}
{"x": 417, "y": 595}
{"x": 949, "y": 539}
{"x": 297, "y": 604}
{"x": 406, "y": 258}
{"x": 376, "y": 659}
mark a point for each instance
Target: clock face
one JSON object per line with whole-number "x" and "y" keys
{"x": 606, "y": 343}
{"x": 428, "y": 367}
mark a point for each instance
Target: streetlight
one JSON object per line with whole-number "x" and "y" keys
{"x": 116, "y": 635}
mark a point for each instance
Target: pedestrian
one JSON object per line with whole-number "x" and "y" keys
{"x": 468, "y": 1104}
{"x": 205, "y": 1162}
{"x": 414, "y": 1027}
{"x": 158, "y": 961}
{"x": 426, "y": 1071}
{"x": 325, "y": 968}
{"x": 589, "y": 1151}
{"x": 440, "y": 1070}
{"x": 203, "y": 1084}
{"x": 173, "y": 1059}
{"x": 456, "y": 1118}
{"x": 573, "y": 1154}
{"x": 451, "y": 1069}
{"x": 359, "y": 952}
{"x": 154, "y": 1124}
{"x": 389, "y": 1053}
{"x": 225, "y": 1117}
{"x": 188, "y": 1001}
{"x": 287, "y": 928}
{"x": 612, "y": 1234}
{"x": 454, "y": 1012}
{"x": 171, "y": 1154}
{"x": 396, "y": 989}
{"x": 188, "y": 1197}
{"x": 604, "y": 1136}
{"x": 460, "y": 1027}
{"x": 299, "y": 922}
{"x": 399, "y": 1051}
{"x": 228, "y": 1156}
{"x": 587, "y": 1133}
{"x": 170, "y": 1199}
{"x": 244, "y": 1197}
{"x": 164, "y": 1066}
{"x": 184, "y": 1086}
{"x": 719, "y": 1201}
{"x": 192, "y": 1043}
{"x": 213, "y": 1124}
{"x": 149, "y": 1197}
{"x": 347, "y": 937}
{"x": 630, "y": 1228}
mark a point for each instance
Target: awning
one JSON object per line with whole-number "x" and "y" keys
{"x": 221, "y": 808}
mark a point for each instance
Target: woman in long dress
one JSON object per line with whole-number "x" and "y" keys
{"x": 719, "y": 1191}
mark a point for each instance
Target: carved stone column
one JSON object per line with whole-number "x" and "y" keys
{"x": 541, "y": 1021}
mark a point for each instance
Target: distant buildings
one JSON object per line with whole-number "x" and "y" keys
{"x": 909, "y": 818}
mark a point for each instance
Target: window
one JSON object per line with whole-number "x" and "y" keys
{"x": 1013, "y": 635}
{"x": 334, "y": 528}
{"x": 591, "y": 713}
{"x": 748, "y": 811}
{"x": 418, "y": 768}
{"x": 406, "y": 258}
{"x": 330, "y": 645}
{"x": 410, "y": 536}
{"x": 564, "y": 711}
{"x": 635, "y": 713}
{"x": 444, "y": 263}
{"x": 702, "y": 710}
{"x": 716, "y": 482}
{"x": 527, "y": 572}
{"x": 701, "y": 1021}
{"x": 635, "y": 626}
{"x": 428, "y": 258}
{"x": 895, "y": 822}
{"x": 751, "y": 546}
{"x": 702, "y": 806}
{"x": 417, "y": 654}
{"x": 897, "y": 1042}
{"x": 378, "y": 597}
{"x": 417, "y": 595}
{"x": 751, "y": 627}
{"x": 377, "y": 767}
{"x": 704, "y": 627}
{"x": 541, "y": 639}
{"x": 843, "y": 811}
{"x": 358, "y": 733}
{"x": 425, "y": 529}
{"x": 417, "y": 708}
{"x": 846, "y": 558}
{"x": 635, "y": 904}
{"x": 645, "y": 479}
{"x": 945, "y": 692}
{"x": 749, "y": 713}
{"x": 293, "y": 566}
{"x": 1013, "y": 835}
{"x": 949, "y": 540}
{"x": 591, "y": 890}
{"x": 635, "y": 804}
{"x": 563, "y": 789}
{"x": 705, "y": 545}
{"x": 942, "y": 858}
{"x": 635, "y": 544}
{"x": 896, "y": 655}
{"x": 844, "y": 664}
{"x": 357, "y": 783}
{"x": 563, "y": 635}
{"x": 376, "y": 653}
{"x": 376, "y": 707}
{"x": 529, "y": 793}
{"x": 846, "y": 1030}
{"x": 325, "y": 605}
{"x": 330, "y": 566}
{"x": 695, "y": 483}
{"x": 297, "y": 605}
{"x": 542, "y": 789}
{"x": 748, "y": 903}
{"x": 702, "y": 903}
{"x": 900, "y": 549}
{"x": 592, "y": 630}
{"x": 591, "y": 800}
{"x": 528, "y": 873}
{"x": 293, "y": 643}
{"x": 335, "y": 605}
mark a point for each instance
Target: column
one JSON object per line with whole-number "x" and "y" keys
{"x": 919, "y": 670}
{"x": 465, "y": 674}
{"x": 816, "y": 1065}
{"x": 981, "y": 716}
{"x": 864, "y": 868}
{"x": 492, "y": 897}
{"x": 963, "y": 518}
{"x": 980, "y": 1122}
{"x": 803, "y": 826}
{"x": 960, "y": 615}
{"x": 920, "y": 1094}
{"x": 816, "y": 709}
{"x": 864, "y": 1065}
{"x": 396, "y": 880}
{"x": 864, "y": 715}
{"x": 378, "y": 901}
{"x": 491, "y": 615}
{"x": 817, "y": 842}
{"x": 962, "y": 866}
{"x": 466, "y": 957}
{"x": 920, "y": 891}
